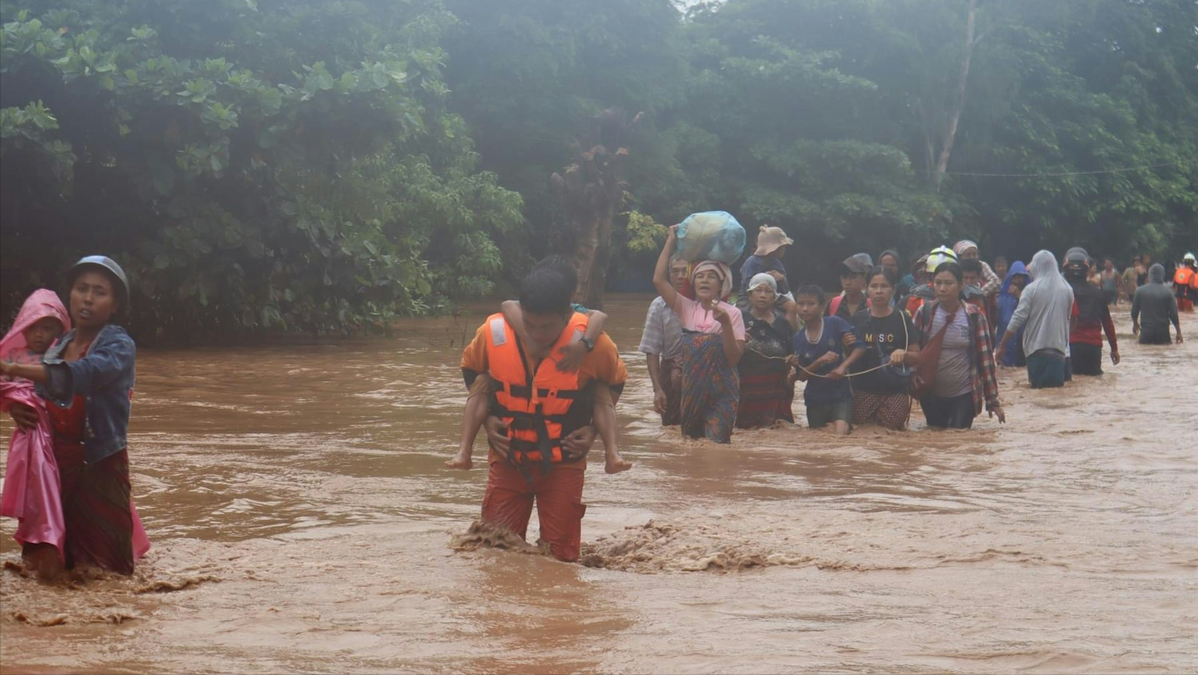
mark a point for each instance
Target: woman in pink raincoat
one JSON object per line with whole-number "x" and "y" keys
{"x": 79, "y": 489}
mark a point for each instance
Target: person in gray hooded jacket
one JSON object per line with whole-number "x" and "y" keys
{"x": 1153, "y": 308}
{"x": 1044, "y": 308}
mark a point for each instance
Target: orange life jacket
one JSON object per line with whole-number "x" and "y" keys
{"x": 536, "y": 415}
{"x": 1184, "y": 276}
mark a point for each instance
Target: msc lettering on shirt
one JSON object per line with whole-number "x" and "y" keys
{"x": 880, "y": 338}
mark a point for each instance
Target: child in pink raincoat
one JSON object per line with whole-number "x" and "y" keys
{"x": 31, "y": 487}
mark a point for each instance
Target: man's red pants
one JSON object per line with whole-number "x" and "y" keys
{"x": 558, "y": 494}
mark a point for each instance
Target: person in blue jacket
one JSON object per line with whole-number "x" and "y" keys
{"x": 88, "y": 378}
{"x": 1008, "y": 299}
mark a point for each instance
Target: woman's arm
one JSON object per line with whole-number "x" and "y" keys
{"x": 734, "y": 347}
{"x": 661, "y": 273}
{"x": 35, "y": 372}
{"x": 111, "y": 354}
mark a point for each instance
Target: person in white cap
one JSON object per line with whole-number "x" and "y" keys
{"x": 772, "y": 244}
{"x": 765, "y": 394}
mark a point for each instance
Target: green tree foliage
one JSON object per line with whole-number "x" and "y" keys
{"x": 530, "y": 76}
{"x": 313, "y": 165}
{"x": 283, "y": 165}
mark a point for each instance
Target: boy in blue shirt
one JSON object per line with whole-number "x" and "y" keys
{"x": 820, "y": 359}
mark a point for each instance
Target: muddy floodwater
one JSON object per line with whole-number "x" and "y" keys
{"x": 301, "y": 521}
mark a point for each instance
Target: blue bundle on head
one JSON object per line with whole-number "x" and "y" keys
{"x": 711, "y": 235}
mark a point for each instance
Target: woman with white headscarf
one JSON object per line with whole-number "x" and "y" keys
{"x": 766, "y": 395}
{"x": 1045, "y": 308}
{"x": 991, "y": 282}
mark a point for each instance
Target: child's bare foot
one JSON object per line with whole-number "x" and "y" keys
{"x": 461, "y": 461}
{"x": 615, "y": 463}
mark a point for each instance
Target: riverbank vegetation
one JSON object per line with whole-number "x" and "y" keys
{"x": 326, "y": 166}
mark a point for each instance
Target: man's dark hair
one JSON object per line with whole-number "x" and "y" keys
{"x": 563, "y": 265}
{"x": 547, "y": 289}
{"x": 1000, "y": 259}
{"x": 811, "y": 290}
{"x": 971, "y": 265}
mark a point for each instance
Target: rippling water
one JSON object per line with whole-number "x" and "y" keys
{"x": 301, "y": 521}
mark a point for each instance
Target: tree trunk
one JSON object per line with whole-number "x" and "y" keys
{"x": 592, "y": 256}
{"x": 950, "y": 130}
{"x": 591, "y": 193}
{"x": 586, "y": 251}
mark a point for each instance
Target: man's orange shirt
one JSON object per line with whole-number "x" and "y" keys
{"x": 603, "y": 364}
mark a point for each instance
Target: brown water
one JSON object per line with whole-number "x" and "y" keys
{"x": 301, "y": 521}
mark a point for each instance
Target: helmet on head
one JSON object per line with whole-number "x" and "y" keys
{"x": 1077, "y": 260}
{"x": 1189, "y": 257}
{"x": 939, "y": 256}
{"x": 108, "y": 265}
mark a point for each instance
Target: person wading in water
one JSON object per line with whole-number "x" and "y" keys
{"x": 541, "y": 429}
{"x": 661, "y": 343}
{"x": 765, "y": 393}
{"x": 881, "y": 388}
{"x": 88, "y": 376}
{"x": 956, "y": 376}
{"x": 1044, "y": 308}
{"x": 713, "y": 341}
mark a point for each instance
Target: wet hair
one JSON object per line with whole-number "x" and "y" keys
{"x": 952, "y": 268}
{"x": 971, "y": 265}
{"x": 563, "y": 266}
{"x": 547, "y": 289}
{"x": 118, "y": 287}
{"x": 1000, "y": 259}
{"x": 811, "y": 290}
{"x": 891, "y": 277}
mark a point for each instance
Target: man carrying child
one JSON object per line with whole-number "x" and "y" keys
{"x": 540, "y": 430}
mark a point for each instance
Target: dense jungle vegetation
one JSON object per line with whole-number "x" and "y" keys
{"x": 327, "y": 165}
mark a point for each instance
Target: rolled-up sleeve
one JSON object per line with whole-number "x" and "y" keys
{"x": 102, "y": 365}
{"x": 474, "y": 357}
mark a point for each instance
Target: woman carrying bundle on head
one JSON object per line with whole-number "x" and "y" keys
{"x": 713, "y": 338}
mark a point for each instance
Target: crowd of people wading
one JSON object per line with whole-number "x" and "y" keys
{"x": 544, "y": 378}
